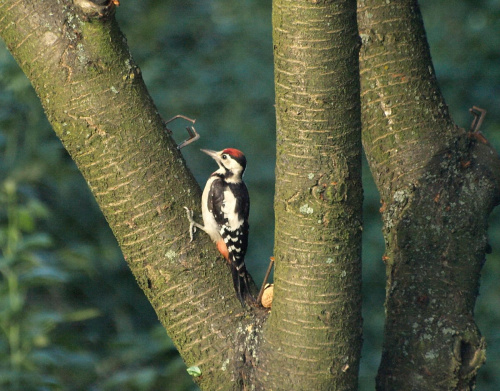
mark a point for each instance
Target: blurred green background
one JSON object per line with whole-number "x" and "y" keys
{"x": 71, "y": 314}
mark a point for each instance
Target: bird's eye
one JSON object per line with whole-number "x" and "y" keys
{"x": 224, "y": 156}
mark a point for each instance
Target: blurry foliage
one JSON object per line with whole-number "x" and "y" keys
{"x": 71, "y": 315}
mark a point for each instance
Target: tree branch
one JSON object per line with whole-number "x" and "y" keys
{"x": 438, "y": 186}
{"x": 94, "y": 96}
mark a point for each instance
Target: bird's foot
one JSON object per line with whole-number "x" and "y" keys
{"x": 192, "y": 223}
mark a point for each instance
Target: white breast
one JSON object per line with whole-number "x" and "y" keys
{"x": 211, "y": 226}
{"x": 229, "y": 208}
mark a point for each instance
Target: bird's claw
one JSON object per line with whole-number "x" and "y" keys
{"x": 192, "y": 227}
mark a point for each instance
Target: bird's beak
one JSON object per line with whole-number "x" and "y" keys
{"x": 213, "y": 154}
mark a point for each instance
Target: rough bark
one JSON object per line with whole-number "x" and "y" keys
{"x": 93, "y": 95}
{"x": 313, "y": 334}
{"x": 438, "y": 184}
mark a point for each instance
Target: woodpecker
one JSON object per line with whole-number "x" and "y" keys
{"x": 225, "y": 205}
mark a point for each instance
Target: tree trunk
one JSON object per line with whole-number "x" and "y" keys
{"x": 313, "y": 337}
{"x": 438, "y": 185}
{"x": 95, "y": 98}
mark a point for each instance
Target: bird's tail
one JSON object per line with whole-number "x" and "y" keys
{"x": 241, "y": 281}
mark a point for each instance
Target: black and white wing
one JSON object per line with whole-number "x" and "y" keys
{"x": 230, "y": 206}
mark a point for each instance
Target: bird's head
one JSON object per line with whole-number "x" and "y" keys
{"x": 231, "y": 161}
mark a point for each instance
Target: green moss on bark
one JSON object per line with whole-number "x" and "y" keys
{"x": 313, "y": 333}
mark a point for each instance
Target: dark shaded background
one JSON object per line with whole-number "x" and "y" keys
{"x": 71, "y": 314}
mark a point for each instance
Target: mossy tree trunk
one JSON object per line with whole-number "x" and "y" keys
{"x": 315, "y": 325}
{"x": 438, "y": 184}
{"x": 94, "y": 96}
{"x": 314, "y": 330}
